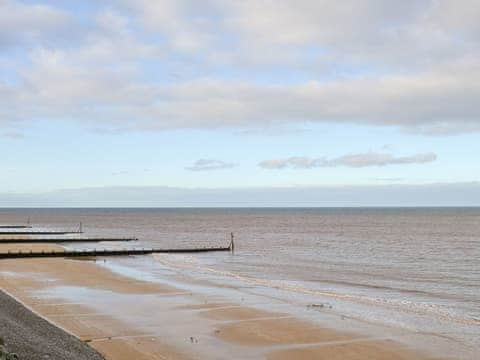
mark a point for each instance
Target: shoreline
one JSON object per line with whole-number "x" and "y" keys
{"x": 124, "y": 318}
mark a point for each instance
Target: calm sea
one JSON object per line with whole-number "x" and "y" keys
{"x": 417, "y": 269}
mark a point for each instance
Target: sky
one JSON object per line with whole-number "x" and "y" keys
{"x": 239, "y": 103}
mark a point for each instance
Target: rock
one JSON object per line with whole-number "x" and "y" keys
{"x": 4, "y": 354}
{"x": 319, "y": 306}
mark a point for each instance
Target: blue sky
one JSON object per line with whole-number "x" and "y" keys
{"x": 239, "y": 95}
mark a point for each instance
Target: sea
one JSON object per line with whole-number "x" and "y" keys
{"x": 415, "y": 269}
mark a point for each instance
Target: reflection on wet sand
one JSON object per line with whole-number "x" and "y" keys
{"x": 126, "y": 318}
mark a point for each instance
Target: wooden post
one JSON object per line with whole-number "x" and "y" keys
{"x": 80, "y": 227}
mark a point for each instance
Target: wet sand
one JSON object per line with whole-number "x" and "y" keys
{"x": 124, "y": 318}
{"x": 28, "y": 247}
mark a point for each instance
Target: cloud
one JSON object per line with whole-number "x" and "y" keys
{"x": 433, "y": 194}
{"x": 411, "y": 65}
{"x": 121, "y": 172}
{"x": 390, "y": 179}
{"x": 187, "y": 26}
{"x": 441, "y": 101}
{"x": 20, "y": 23}
{"x": 14, "y": 135}
{"x": 350, "y": 160}
{"x": 209, "y": 164}
{"x": 404, "y": 34}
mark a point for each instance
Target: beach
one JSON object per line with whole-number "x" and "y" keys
{"x": 201, "y": 327}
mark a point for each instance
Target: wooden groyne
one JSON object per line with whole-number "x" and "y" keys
{"x": 39, "y": 232}
{"x": 103, "y": 252}
{"x": 62, "y": 240}
{"x": 15, "y": 227}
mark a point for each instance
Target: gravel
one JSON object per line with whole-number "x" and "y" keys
{"x": 32, "y": 338}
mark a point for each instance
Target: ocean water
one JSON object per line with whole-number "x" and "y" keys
{"x": 413, "y": 269}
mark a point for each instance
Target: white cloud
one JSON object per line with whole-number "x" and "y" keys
{"x": 59, "y": 85}
{"x": 350, "y": 160}
{"x": 13, "y": 135}
{"x": 411, "y": 64}
{"x": 210, "y": 164}
{"x": 185, "y": 24}
{"x": 401, "y": 34}
{"x": 20, "y": 22}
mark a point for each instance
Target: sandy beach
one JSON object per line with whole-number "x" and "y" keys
{"x": 125, "y": 318}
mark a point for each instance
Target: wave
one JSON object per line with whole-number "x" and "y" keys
{"x": 189, "y": 262}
